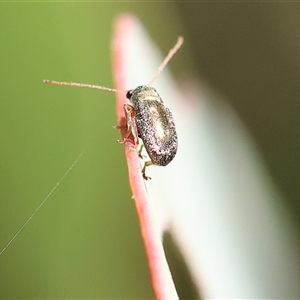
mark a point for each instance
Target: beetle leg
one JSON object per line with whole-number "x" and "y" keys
{"x": 131, "y": 126}
{"x": 140, "y": 152}
{"x": 147, "y": 164}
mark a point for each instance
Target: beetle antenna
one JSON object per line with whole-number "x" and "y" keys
{"x": 168, "y": 57}
{"x": 84, "y": 85}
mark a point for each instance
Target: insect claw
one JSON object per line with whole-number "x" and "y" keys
{"x": 146, "y": 177}
{"x": 140, "y": 152}
{"x": 121, "y": 141}
{"x": 147, "y": 164}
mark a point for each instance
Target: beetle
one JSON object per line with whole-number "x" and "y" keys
{"x": 150, "y": 120}
{"x": 147, "y": 118}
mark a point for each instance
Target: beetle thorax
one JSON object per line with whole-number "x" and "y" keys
{"x": 144, "y": 93}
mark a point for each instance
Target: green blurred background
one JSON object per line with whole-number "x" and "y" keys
{"x": 85, "y": 242}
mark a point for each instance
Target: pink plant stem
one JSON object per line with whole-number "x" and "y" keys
{"x": 162, "y": 281}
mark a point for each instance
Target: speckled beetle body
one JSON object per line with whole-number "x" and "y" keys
{"x": 155, "y": 124}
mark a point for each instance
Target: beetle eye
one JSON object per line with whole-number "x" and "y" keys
{"x": 129, "y": 94}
